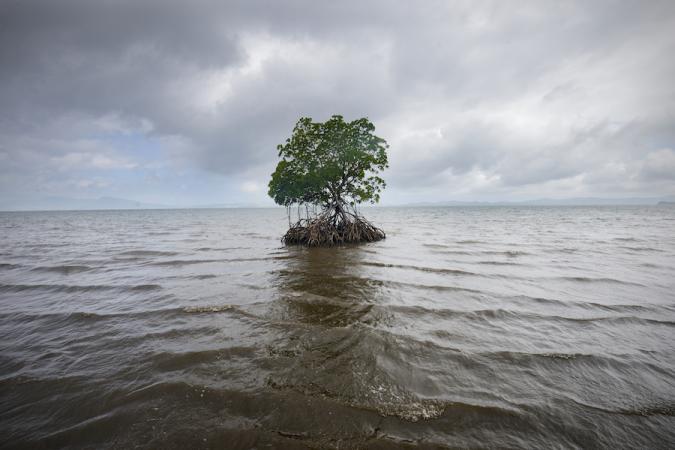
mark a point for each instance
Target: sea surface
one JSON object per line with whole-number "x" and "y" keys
{"x": 481, "y": 327}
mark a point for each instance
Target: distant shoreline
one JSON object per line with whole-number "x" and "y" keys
{"x": 411, "y": 206}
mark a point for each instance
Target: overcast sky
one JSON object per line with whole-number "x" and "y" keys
{"x": 183, "y": 103}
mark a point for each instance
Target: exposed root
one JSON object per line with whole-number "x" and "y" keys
{"x": 326, "y": 231}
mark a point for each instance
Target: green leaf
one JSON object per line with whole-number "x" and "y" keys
{"x": 330, "y": 163}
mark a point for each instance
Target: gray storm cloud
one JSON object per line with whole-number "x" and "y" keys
{"x": 477, "y": 99}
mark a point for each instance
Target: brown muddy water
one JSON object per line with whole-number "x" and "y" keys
{"x": 467, "y": 327}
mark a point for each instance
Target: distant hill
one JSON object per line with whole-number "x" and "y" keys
{"x": 228, "y": 205}
{"x": 578, "y": 201}
{"x": 54, "y": 203}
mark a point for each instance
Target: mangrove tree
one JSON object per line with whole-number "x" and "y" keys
{"x": 327, "y": 169}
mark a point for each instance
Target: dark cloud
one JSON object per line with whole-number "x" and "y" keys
{"x": 474, "y": 97}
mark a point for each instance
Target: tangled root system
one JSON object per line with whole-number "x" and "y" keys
{"x": 325, "y": 231}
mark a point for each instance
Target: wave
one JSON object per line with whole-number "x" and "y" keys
{"x": 641, "y": 249}
{"x": 409, "y": 345}
{"x": 208, "y": 308}
{"x": 65, "y": 269}
{"x": 505, "y": 314}
{"x": 47, "y": 245}
{"x": 370, "y": 384}
{"x": 70, "y": 289}
{"x": 227, "y": 308}
{"x": 523, "y": 357}
{"x": 154, "y": 313}
{"x": 499, "y": 263}
{"x": 206, "y": 276}
{"x": 564, "y": 250}
{"x": 664, "y": 408}
{"x": 524, "y": 299}
{"x": 509, "y": 253}
{"x": 432, "y": 287}
{"x": 421, "y": 268}
{"x": 652, "y": 265}
{"x": 202, "y": 276}
{"x": 582, "y": 279}
{"x": 437, "y": 246}
{"x": 144, "y": 253}
{"x": 445, "y": 249}
{"x": 188, "y": 262}
{"x": 626, "y": 239}
{"x": 168, "y": 361}
{"x": 144, "y": 287}
{"x": 385, "y": 399}
{"x": 251, "y": 235}
{"x": 449, "y": 252}
{"x": 219, "y": 249}
{"x": 477, "y": 315}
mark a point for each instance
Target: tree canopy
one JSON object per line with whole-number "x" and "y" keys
{"x": 334, "y": 164}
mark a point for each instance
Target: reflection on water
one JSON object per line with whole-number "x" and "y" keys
{"x": 326, "y": 287}
{"x": 341, "y": 356}
{"x": 516, "y": 327}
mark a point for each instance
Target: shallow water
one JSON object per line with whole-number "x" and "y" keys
{"x": 467, "y": 327}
